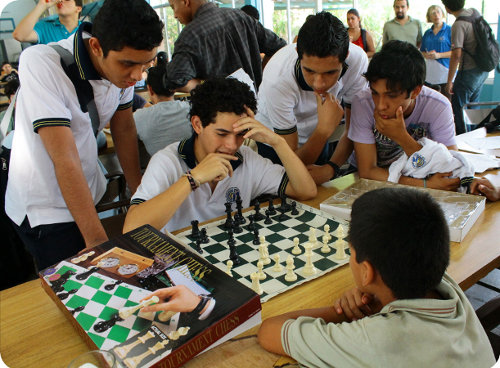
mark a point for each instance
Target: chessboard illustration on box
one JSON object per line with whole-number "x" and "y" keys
{"x": 271, "y": 248}
{"x": 104, "y": 304}
{"x": 460, "y": 210}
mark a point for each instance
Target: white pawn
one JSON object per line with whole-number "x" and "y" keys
{"x": 255, "y": 283}
{"x": 340, "y": 250}
{"x": 326, "y": 229}
{"x": 325, "y": 248}
{"x": 264, "y": 253}
{"x": 262, "y": 275}
{"x": 277, "y": 266}
{"x": 296, "y": 249}
{"x": 290, "y": 275}
{"x": 309, "y": 268}
{"x": 229, "y": 265}
{"x": 312, "y": 236}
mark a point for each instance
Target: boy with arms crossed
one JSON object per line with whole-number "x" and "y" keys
{"x": 390, "y": 117}
{"x": 192, "y": 179}
{"x": 405, "y": 311}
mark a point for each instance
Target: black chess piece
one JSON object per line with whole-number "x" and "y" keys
{"x": 77, "y": 309}
{"x": 229, "y": 224}
{"x": 282, "y": 216}
{"x": 86, "y": 274}
{"x": 268, "y": 220}
{"x": 239, "y": 215}
{"x": 65, "y": 295}
{"x": 251, "y": 225}
{"x": 256, "y": 239}
{"x": 257, "y": 215}
{"x": 271, "y": 208}
{"x": 284, "y": 205}
{"x": 233, "y": 254}
{"x": 231, "y": 240}
{"x": 294, "y": 212}
{"x": 195, "y": 231}
{"x": 204, "y": 236}
{"x": 110, "y": 287}
{"x": 237, "y": 228}
{"x": 197, "y": 246}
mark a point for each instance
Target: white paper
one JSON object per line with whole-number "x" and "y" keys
{"x": 481, "y": 162}
{"x": 178, "y": 278}
{"x": 242, "y": 76}
{"x": 437, "y": 73}
{"x": 484, "y": 143}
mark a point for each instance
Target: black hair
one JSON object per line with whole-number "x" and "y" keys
{"x": 403, "y": 233}
{"x": 323, "y": 35}
{"x": 454, "y": 5}
{"x": 251, "y": 11}
{"x": 156, "y": 75}
{"x": 132, "y": 23}
{"x": 161, "y": 58}
{"x": 221, "y": 95}
{"x": 407, "y": 3}
{"x": 11, "y": 87}
{"x": 401, "y": 63}
{"x": 79, "y": 3}
{"x": 356, "y": 13}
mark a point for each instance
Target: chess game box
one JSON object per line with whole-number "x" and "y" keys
{"x": 461, "y": 210}
{"x": 93, "y": 286}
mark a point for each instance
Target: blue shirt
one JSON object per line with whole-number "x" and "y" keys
{"x": 441, "y": 42}
{"x": 52, "y": 31}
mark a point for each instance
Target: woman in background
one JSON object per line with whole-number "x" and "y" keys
{"x": 358, "y": 35}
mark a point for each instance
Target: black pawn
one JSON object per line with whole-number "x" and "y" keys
{"x": 197, "y": 246}
{"x": 204, "y": 236}
{"x": 268, "y": 220}
{"x": 239, "y": 215}
{"x": 256, "y": 239}
{"x": 282, "y": 217}
{"x": 271, "y": 208}
{"x": 233, "y": 255}
{"x": 294, "y": 212}
{"x": 86, "y": 274}
{"x": 195, "y": 231}
{"x": 251, "y": 225}
{"x": 257, "y": 215}
{"x": 231, "y": 240}
{"x": 237, "y": 228}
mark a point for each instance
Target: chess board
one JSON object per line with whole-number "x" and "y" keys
{"x": 279, "y": 234}
{"x": 90, "y": 303}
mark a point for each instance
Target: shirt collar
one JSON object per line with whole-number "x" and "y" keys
{"x": 186, "y": 152}
{"x": 82, "y": 58}
{"x": 203, "y": 8}
{"x": 299, "y": 77}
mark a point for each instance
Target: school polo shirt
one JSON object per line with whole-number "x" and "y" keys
{"x": 440, "y": 42}
{"x": 410, "y": 32}
{"x": 405, "y": 333}
{"x": 287, "y": 105}
{"x": 253, "y": 175}
{"x": 432, "y": 117}
{"x": 52, "y": 31}
{"x": 48, "y": 98}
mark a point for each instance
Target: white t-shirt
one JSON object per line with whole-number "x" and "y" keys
{"x": 285, "y": 107}
{"x": 48, "y": 98}
{"x": 253, "y": 176}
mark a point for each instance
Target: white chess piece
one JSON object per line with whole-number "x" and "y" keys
{"x": 290, "y": 275}
{"x": 229, "y": 265}
{"x": 264, "y": 253}
{"x": 126, "y": 312}
{"x": 255, "y": 283}
{"x": 340, "y": 232}
{"x": 312, "y": 236}
{"x": 166, "y": 316}
{"x": 340, "y": 250}
{"x": 277, "y": 266}
{"x": 326, "y": 229}
{"x": 309, "y": 268}
{"x": 262, "y": 275}
{"x": 325, "y": 248}
{"x": 296, "y": 249}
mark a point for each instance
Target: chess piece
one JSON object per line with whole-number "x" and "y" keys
{"x": 277, "y": 266}
{"x": 126, "y": 312}
{"x": 251, "y": 225}
{"x": 290, "y": 275}
{"x": 229, "y": 220}
{"x": 264, "y": 253}
{"x": 268, "y": 220}
{"x": 262, "y": 275}
{"x": 233, "y": 254}
{"x": 312, "y": 236}
{"x": 122, "y": 351}
{"x": 204, "y": 236}
{"x": 257, "y": 215}
{"x": 237, "y": 228}
{"x": 255, "y": 283}
{"x": 340, "y": 232}
{"x": 135, "y": 361}
{"x": 197, "y": 245}
{"x": 165, "y": 316}
{"x": 326, "y": 230}
{"x": 294, "y": 212}
{"x": 340, "y": 250}
{"x": 195, "y": 231}
{"x": 271, "y": 208}
{"x": 230, "y": 240}
{"x": 256, "y": 240}
{"x": 229, "y": 265}
{"x": 309, "y": 268}
{"x": 239, "y": 215}
{"x": 325, "y": 248}
{"x": 296, "y": 249}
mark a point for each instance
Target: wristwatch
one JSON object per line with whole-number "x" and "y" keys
{"x": 335, "y": 168}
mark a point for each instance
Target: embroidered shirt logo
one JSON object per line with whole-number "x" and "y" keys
{"x": 232, "y": 194}
{"x": 418, "y": 161}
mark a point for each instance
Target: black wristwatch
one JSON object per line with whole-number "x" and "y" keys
{"x": 204, "y": 300}
{"x": 335, "y": 168}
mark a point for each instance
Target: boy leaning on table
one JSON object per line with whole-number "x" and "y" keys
{"x": 405, "y": 310}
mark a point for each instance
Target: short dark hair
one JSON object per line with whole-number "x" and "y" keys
{"x": 407, "y": 3}
{"x": 155, "y": 78}
{"x": 251, "y": 11}
{"x": 401, "y": 63}
{"x": 11, "y": 87}
{"x": 79, "y": 3}
{"x": 323, "y": 35}
{"x": 132, "y": 23}
{"x": 454, "y": 5}
{"x": 221, "y": 95}
{"x": 403, "y": 233}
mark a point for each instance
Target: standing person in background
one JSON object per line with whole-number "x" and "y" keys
{"x": 436, "y": 43}
{"x": 32, "y": 30}
{"x": 358, "y": 35}
{"x": 402, "y": 27}
{"x": 469, "y": 79}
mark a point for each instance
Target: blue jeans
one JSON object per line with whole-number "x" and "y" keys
{"x": 466, "y": 88}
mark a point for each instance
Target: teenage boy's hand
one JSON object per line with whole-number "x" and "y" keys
{"x": 393, "y": 128}
{"x": 320, "y": 173}
{"x": 330, "y": 113}
{"x": 214, "y": 167}
{"x": 355, "y": 305}
{"x": 482, "y": 186}
{"x": 45, "y": 4}
{"x": 443, "y": 181}
{"x": 255, "y": 130}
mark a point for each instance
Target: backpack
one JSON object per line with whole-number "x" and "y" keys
{"x": 487, "y": 55}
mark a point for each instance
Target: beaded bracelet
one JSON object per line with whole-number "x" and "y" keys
{"x": 195, "y": 184}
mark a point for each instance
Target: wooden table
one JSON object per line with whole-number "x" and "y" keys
{"x": 34, "y": 332}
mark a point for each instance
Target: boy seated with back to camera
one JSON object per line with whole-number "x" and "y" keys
{"x": 405, "y": 311}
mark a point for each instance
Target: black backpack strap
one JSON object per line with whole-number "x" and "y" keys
{"x": 83, "y": 87}
{"x": 363, "y": 38}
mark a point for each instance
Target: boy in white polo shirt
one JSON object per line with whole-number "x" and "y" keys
{"x": 302, "y": 90}
{"x": 54, "y": 177}
{"x": 405, "y": 311}
{"x": 192, "y": 179}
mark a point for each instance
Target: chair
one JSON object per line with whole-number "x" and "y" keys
{"x": 116, "y": 195}
{"x": 477, "y": 114}
{"x": 489, "y": 315}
